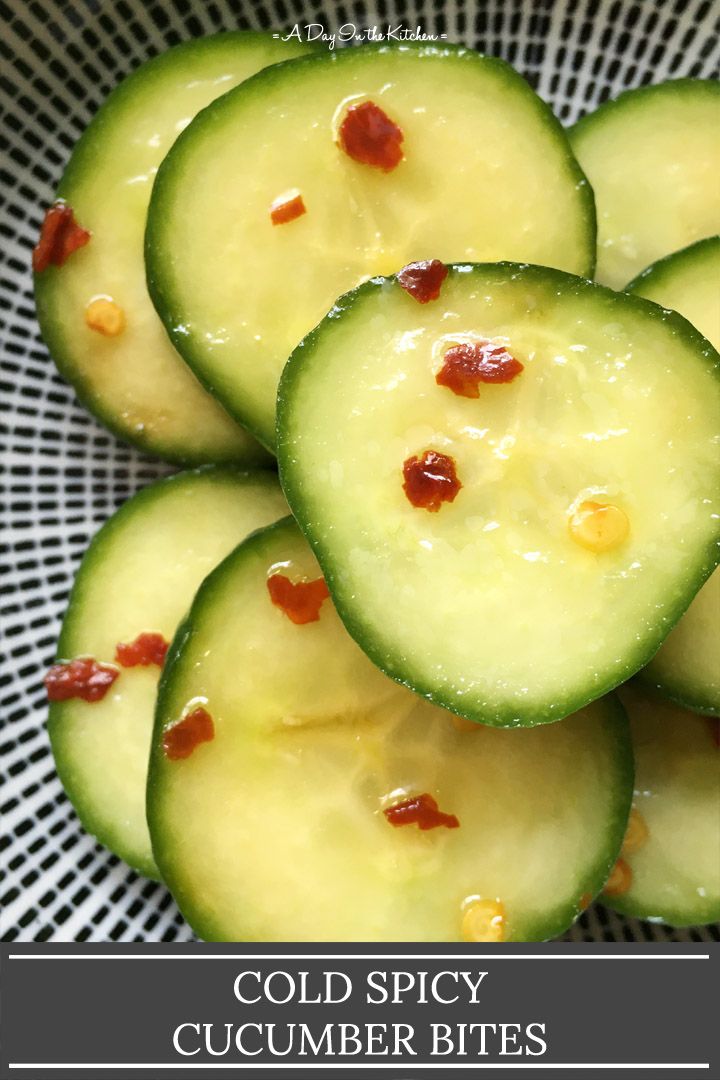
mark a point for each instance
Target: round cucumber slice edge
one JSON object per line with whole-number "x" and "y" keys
{"x": 163, "y": 291}
{"x": 121, "y": 830}
{"x": 293, "y": 485}
{"x": 172, "y": 797}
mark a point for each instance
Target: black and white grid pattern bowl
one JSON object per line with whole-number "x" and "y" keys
{"x": 62, "y": 474}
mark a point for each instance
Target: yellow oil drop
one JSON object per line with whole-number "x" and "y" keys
{"x": 483, "y": 920}
{"x": 599, "y": 526}
{"x": 105, "y": 316}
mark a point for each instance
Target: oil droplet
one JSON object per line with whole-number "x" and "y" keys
{"x": 105, "y": 316}
{"x": 483, "y": 920}
{"x": 598, "y": 526}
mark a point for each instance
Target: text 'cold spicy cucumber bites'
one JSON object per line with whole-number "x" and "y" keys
{"x": 297, "y": 794}
{"x": 493, "y": 484}
{"x": 324, "y": 171}
{"x": 92, "y": 302}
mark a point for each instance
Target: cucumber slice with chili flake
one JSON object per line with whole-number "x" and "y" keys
{"x": 653, "y": 159}
{"x": 687, "y": 666}
{"x": 670, "y": 861}
{"x": 94, "y": 311}
{"x": 313, "y": 799}
{"x": 397, "y": 153}
{"x": 515, "y": 555}
{"x": 138, "y": 578}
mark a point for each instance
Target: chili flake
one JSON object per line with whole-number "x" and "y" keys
{"x": 423, "y": 279}
{"x": 60, "y": 236}
{"x": 467, "y": 365}
{"x": 420, "y": 810}
{"x": 284, "y": 210}
{"x": 146, "y": 649}
{"x": 368, "y": 135}
{"x": 180, "y": 740}
{"x": 83, "y": 678}
{"x": 430, "y": 480}
{"x": 300, "y": 600}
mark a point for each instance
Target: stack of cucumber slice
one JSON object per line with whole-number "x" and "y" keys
{"x": 392, "y": 716}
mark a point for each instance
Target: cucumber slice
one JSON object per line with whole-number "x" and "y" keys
{"x": 135, "y": 383}
{"x": 490, "y": 606}
{"x": 687, "y": 281}
{"x": 653, "y": 159}
{"x": 687, "y": 666}
{"x": 274, "y": 830}
{"x": 139, "y": 575}
{"x": 237, "y": 293}
{"x": 671, "y": 870}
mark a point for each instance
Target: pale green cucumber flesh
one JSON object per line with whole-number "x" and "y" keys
{"x": 139, "y": 575}
{"x": 489, "y": 607}
{"x": 687, "y": 665}
{"x": 676, "y": 872}
{"x": 653, "y": 158}
{"x": 237, "y": 293}
{"x": 274, "y": 830}
{"x": 136, "y": 383}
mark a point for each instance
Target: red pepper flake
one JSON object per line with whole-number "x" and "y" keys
{"x": 420, "y": 810}
{"x": 467, "y": 365}
{"x": 60, "y": 236}
{"x": 369, "y": 136}
{"x": 430, "y": 480}
{"x": 300, "y": 600}
{"x": 146, "y": 649}
{"x": 180, "y": 740}
{"x": 284, "y": 210}
{"x": 423, "y": 279}
{"x": 83, "y": 678}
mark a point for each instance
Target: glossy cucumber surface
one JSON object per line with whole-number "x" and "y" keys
{"x": 139, "y": 576}
{"x": 670, "y": 870}
{"x": 653, "y": 158}
{"x": 687, "y": 665}
{"x": 496, "y": 603}
{"x": 133, "y": 380}
{"x": 276, "y": 827}
{"x": 237, "y": 292}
